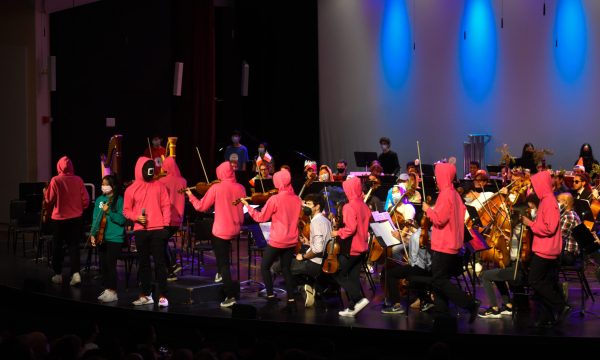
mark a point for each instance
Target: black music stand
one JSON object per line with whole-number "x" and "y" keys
{"x": 494, "y": 169}
{"x": 427, "y": 169}
{"x": 587, "y": 245}
{"x": 364, "y": 158}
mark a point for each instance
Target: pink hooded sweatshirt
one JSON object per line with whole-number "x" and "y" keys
{"x": 174, "y": 182}
{"x": 356, "y": 215}
{"x": 547, "y": 239}
{"x": 448, "y": 215}
{"x": 228, "y": 217}
{"x": 66, "y": 192}
{"x": 152, "y": 196}
{"x": 284, "y": 211}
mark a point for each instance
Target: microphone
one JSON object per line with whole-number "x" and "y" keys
{"x": 221, "y": 149}
{"x": 144, "y": 215}
{"x": 303, "y": 155}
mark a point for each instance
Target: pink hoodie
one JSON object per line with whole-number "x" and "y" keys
{"x": 151, "y": 196}
{"x": 356, "y": 215}
{"x": 284, "y": 211}
{"x": 547, "y": 239}
{"x": 174, "y": 182}
{"x": 228, "y": 217}
{"x": 66, "y": 192}
{"x": 448, "y": 215}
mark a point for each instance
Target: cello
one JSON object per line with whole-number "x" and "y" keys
{"x": 331, "y": 264}
{"x": 304, "y": 219}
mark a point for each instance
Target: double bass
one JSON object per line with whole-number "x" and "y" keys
{"x": 331, "y": 264}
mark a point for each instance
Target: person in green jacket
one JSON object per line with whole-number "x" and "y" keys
{"x": 110, "y": 206}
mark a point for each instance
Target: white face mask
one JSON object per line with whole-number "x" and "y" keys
{"x": 384, "y": 147}
{"x": 324, "y": 177}
{"x": 156, "y": 143}
{"x": 396, "y": 197}
{"x": 235, "y": 139}
{"x": 261, "y": 150}
{"x": 106, "y": 189}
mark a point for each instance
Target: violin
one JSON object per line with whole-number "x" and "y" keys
{"x": 258, "y": 198}
{"x": 424, "y": 239}
{"x": 102, "y": 226}
{"x": 331, "y": 264}
{"x": 200, "y": 187}
{"x": 375, "y": 183}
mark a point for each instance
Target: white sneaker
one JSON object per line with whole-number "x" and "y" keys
{"x": 347, "y": 312}
{"x": 360, "y": 305}
{"x": 109, "y": 296}
{"x": 163, "y": 302}
{"x": 228, "y": 302}
{"x": 310, "y": 296}
{"x": 102, "y": 294}
{"x": 75, "y": 279}
{"x": 144, "y": 300}
{"x": 218, "y": 278}
{"x": 57, "y": 279}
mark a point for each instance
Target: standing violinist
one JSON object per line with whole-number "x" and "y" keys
{"x": 283, "y": 210}
{"x": 228, "y": 221}
{"x": 547, "y": 246}
{"x": 310, "y": 262}
{"x": 447, "y": 237}
{"x": 173, "y": 181}
{"x": 356, "y": 215}
{"x": 109, "y": 220}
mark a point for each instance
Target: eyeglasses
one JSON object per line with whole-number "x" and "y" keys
{"x": 262, "y": 169}
{"x": 576, "y": 181}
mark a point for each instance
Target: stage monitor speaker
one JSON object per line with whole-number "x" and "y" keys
{"x": 52, "y": 73}
{"x": 177, "y": 78}
{"x": 245, "y": 77}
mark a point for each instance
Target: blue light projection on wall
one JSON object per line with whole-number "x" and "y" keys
{"x": 570, "y": 39}
{"x": 478, "y": 48}
{"x": 395, "y": 44}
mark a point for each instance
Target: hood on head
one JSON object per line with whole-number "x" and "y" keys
{"x": 444, "y": 175}
{"x": 282, "y": 180}
{"x": 542, "y": 184}
{"x": 225, "y": 171}
{"x": 139, "y": 166}
{"x": 170, "y": 166}
{"x": 65, "y": 166}
{"x": 353, "y": 188}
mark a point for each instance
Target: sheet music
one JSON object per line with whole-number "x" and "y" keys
{"x": 384, "y": 231}
{"x": 246, "y": 210}
{"x": 383, "y": 216}
{"x": 265, "y": 228}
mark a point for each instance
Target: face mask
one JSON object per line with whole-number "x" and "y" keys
{"x": 396, "y": 197}
{"x": 533, "y": 213}
{"x": 261, "y": 150}
{"x": 340, "y": 170}
{"x": 306, "y": 210}
{"x": 235, "y": 139}
{"x": 106, "y": 189}
{"x": 384, "y": 147}
{"x": 156, "y": 143}
{"x": 324, "y": 177}
{"x": 148, "y": 170}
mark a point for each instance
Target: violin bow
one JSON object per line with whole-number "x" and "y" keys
{"x": 202, "y": 164}
{"x": 421, "y": 171}
{"x": 149, "y": 148}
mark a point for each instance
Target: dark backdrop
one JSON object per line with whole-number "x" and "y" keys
{"x": 116, "y": 59}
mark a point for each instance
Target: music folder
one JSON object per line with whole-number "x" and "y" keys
{"x": 383, "y": 233}
{"x": 364, "y": 158}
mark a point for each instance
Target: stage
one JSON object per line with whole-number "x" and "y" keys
{"x": 30, "y": 301}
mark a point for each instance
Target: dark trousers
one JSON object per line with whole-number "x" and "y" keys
{"x": 169, "y": 257}
{"x": 222, "y": 249}
{"x": 152, "y": 242}
{"x": 109, "y": 251}
{"x": 543, "y": 278}
{"x": 442, "y": 265}
{"x": 285, "y": 259}
{"x": 69, "y": 232}
{"x": 349, "y": 277}
{"x": 498, "y": 277}
{"x": 393, "y": 274}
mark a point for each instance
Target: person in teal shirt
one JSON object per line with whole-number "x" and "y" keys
{"x": 109, "y": 204}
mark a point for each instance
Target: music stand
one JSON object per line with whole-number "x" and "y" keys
{"x": 494, "y": 169}
{"x": 255, "y": 233}
{"x": 364, "y": 158}
{"x": 587, "y": 245}
{"x": 427, "y": 169}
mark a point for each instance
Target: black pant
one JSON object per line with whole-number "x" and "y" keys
{"x": 169, "y": 258}
{"x": 285, "y": 258}
{"x": 349, "y": 277}
{"x": 109, "y": 251}
{"x": 152, "y": 242}
{"x": 543, "y": 278}
{"x": 393, "y": 274}
{"x": 442, "y": 265}
{"x": 222, "y": 249}
{"x": 69, "y": 232}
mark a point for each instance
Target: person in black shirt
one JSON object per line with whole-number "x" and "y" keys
{"x": 586, "y": 158}
{"x": 526, "y": 160}
{"x": 388, "y": 159}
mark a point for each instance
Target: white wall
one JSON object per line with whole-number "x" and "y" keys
{"x": 529, "y": 100}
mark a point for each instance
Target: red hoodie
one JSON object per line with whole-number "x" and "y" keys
{"x": 152, "y": 196}
{"x": 448, "y": 215}
{"x": 356, "y": 215}
{"x": 174, "y": 182}
{"x": 547, "y": 239}
{"x": 66, "y": 192}
{"x": 228, "y": 217}
{"x": 284, "y": 211}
